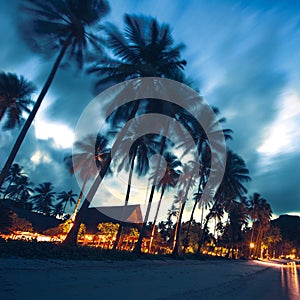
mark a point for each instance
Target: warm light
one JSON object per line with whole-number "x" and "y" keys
{"x": 251, "y": 245}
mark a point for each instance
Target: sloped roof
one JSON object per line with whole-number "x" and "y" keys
{"x": 116, "y": 214}
{"x": 130, "y": 214}
{"x": 39, "y": 221}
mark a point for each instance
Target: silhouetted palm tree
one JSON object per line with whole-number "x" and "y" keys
{"x": 238, "y": 217}
{"x": 15, "y": 172}
{"x": 255, "y": 206}
{"x": 187, "y": 182}
{"x": 43, "y": 199}
{"x": 150, "y": 43}
{"x": 91, "y": 155}
{"x": 138, "y": 157}
{"x": 15, "y": 93}
{"x": 140, "y": 151}
{"x": 260, "y": 212}
{"x": 169, "y": 179}
{"x": 65, "y": 24}
{"x": 21, "y": 189}
{"x": 89, "y": 162}
{"x": 66, "y": 198}
{"x": 145, "y": 49}
{"x": 58, "y": 210}
{"x": 231, "y": 187}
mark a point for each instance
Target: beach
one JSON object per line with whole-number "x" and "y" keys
{"x": 145, "y": 279}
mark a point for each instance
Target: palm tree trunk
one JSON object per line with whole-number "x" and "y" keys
{"x": 176, "y": 247}
{"x": 189, "y": 226}
{"x": 204, "y": 230}
{"x": 130, "y": 178}
{"x": 32, "y": 114}
{"x": 79, "y": 199}
{"x": 119, "y": 233}
{"x": 155, "y": 218}
{"x": 178, "y": 225}
{"x": 72, "y": 235}
{"x": 191, "y": 218}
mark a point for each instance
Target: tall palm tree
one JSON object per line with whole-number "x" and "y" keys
{"x": 15, "y": 93}
{"x": 197, "y": 199}
{"x": 66, "y": 198}
{"x": 65, "y": 24}
{"x": 231, "y": 187}
{"x": 187, "y": 182}
{"x": 168, "y": 180}
{"x": 238, "y": 217}
{"x": 90, "y": 154}
{"x": 153, "y": 45}
{"x": 260, "y": 212}
{"x": 144, "y": 49}
{"x": 89, "y": 161}
{"x": 201, "y": 145}
{"x": 43, "y": 199}
{"x": 138, "y": 245}
{"x": 139, "y": 153}
{"x": 256, "y": 203}
{"x": 138, "y": 156}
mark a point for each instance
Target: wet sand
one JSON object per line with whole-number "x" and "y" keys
{"x": 56, "y": 279}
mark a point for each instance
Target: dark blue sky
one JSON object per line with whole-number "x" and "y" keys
{"x": 244, "y": 57}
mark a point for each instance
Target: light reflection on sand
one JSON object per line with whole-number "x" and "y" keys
{"x": 289, "y": 276}
{"x": 290, "y": 280}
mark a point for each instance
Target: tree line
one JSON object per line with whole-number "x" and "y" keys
{"x": 41, "y": 198}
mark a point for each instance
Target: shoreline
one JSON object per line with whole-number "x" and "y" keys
{"x": 146, "y": 279}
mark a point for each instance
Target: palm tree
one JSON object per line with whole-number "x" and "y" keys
{"x": 256, "y": 205}
{"x": 153, "y": 44}
{"x": 15, "y": 172}
{"x": 65, "y": 24}
{"x": 231, "y": 187}
{"x": 138, "y": 246}
{"x": 141, "y": 149}
{"x": 58, "y": 210}
{"x": 139, "y": 153}
{"x": 187, "y": 181}
{"x": 90, "y": 154}
{"x": 260, "y": 212}
{"x": 145, "y": 49}
{"x": 43, "y": 199}
{"x": 15, "y": 99}
{"x": 66, "y": 198}
{"x": 238, "y": 217}
{"x": 89, "y": 162}
{"x": 169, "y": 179}
{"x": 21, "y": 189}
{"x": 197, "y": 199}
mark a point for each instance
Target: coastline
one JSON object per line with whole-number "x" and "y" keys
{"x": 140, "y": 279}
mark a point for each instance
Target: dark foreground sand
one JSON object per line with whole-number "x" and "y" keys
{"x": 55, "y": 279}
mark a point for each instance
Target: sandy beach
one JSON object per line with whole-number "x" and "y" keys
{"x": 142, "y": 279}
